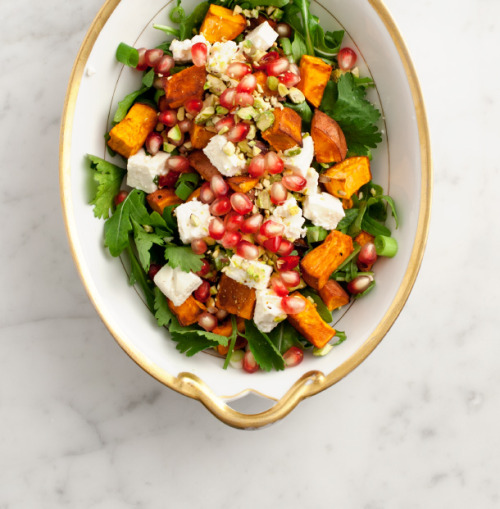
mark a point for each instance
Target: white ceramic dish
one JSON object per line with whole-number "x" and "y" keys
{"x": 401, "y": 165}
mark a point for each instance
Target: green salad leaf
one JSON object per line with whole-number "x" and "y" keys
{"x": 186, "y": 23}
{"x": 163, "y": 314}
{"x": 183, "y": 257}
{"x": 265, "y": 352}
{"x": 284, "y": 336}
{"x": 126, "y": 103}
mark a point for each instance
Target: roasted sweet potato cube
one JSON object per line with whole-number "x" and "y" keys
{"x": 348, "y": 176}
{"x": 129, "y": 135}
{"x": 184, "y": 85}
{"x": 333, "y": 295}
{"x": 194, "y": 195}
{"x": 226, "y": 329}
{"x": 199, "y": 136}
{"x": 286, "y": 132}
{"x": 329, "y": 140}
{"x": 201, "y": 163}
{"x": 221, "y": 24}
{"x": 318, "y": 264}
{"x": 242, "y": 184}
{"x": 236, "y": 298}
{"x": 261, "y": 77}
{"x": 311, "y": 325}
{"x": 314, "y": 75}
{"x": 162, "y": 198}
{"x": 188, "y": 312}
{"x": 364, "y": 237}
{"x": 347, "y": 203}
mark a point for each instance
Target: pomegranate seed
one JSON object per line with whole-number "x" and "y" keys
{"x": 233, "y": 221}
{"x": 205, "y": 268}
{"x": 249, "y": 363}
{"x": 216, "y": 228}
{"x": 230, "y": 239}
{"x": 219, "y": 186}
{"x": 237, "y": 70}
{"x": 285, "y": 249}
{"x": 252, "y": 224}
{"x": 267, "y": 59}
{"x": 164, "y": 65}
{"x": 243, "y": 99}
{"x": 284, "y": 29}
{"x": 287, "y": 262}
{"x": 273, "y": 163}
{"x": 291, "y": 278}
{"x": 206, "y": 193}
{"x": 168, "y": 118}
{"x": 220, "y": 206}
{"x": 154, "y": 142}
{"x": 185, "y": 125}
{"x": 367, "y": 254}
{"x": 278, "y": 193}
{"x": 221, "y": 314}
{"x": 199, "y": 246}
{"x": 247, "y": 250}
{"x": 289, "y": 79}
{"x": 359, "y": 284}
{"x": 168, "y": 180}
{"x": 257, "y": 166}
{"x": 294, "y": 68}
{"x": 193, "y": 106}
{"x": 273, "y": 244}
{"x": 278, "y": 287}
{"x": 292, "y": 305}
{"x": 294, "y": 182}
{"x": 154, "y": 268}
{"x": 224, "y": 122}
{"x": 142, "y": 65}
{"x": 247, "y": 84}
{"x": 227, "y": 98}
{"x": 202, "y": 293}
{"x": 207, "y": 321}
{"x": 277, "y": 67}
{"x": 347, "y": 59}
{"x": 120, "y": 197}
{"x": 272, "y": 229}
{"x": 160, "y": 82}
{"x": 178, "y": 163}
{"x": 241, "y": 203}
{"x": 259, "y": 238}
{"x": 293, "y": 356}
{"x": 238, "y": 132}
{"x": 153, "y": 56}
{"x": 199, "y": 53}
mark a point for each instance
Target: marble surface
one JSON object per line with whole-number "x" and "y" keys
{"x": 415, "y": 426}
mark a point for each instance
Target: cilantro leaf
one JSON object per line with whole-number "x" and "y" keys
{"x": 183, "y": 257}
{"x": 163, "y": 314}
{"x": 137, "y": 275}
{"x": 265, "y": 352}
{"x": 191, "y": 344}
{"x": 144, "y": 242}
{"x": 284, "y": 336}
{"x": 109, "y": 178}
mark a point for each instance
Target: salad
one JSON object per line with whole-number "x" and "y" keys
{"x": 245, "y": 201}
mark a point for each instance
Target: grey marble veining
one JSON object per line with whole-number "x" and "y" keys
{"x": 415, "y": 426}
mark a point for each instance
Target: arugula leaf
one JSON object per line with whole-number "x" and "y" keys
{"x": 170, "y": 220}
{"x": 183, "y": 257}
{"x": 138, "y": 275}
{"x": 144, "y": 242}
{"x": 148, "y": 78}
{"x": 284, "y": 336}
{"x": 188, "y": 23}
{"x": 342, "y": 337}
{"x": 373, "y": 227}
{"x": 126, "y": 103}
{"x": 163, "y": 314}
{"x": 265, "y": 352}
{"x": 109, "y": 178}
{"x": 299, "y": 47}
{"x": 347, "y": 220}
{"x": 273, "y": 3}
{"x": 305, "y": 112}
{"x": 322, "y": 310}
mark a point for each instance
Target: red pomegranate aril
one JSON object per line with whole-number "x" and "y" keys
{"x": 219, "y": 186}
{"x": 220, "y": 206}
{"x": 154, "y": 142}
{"x": 367, "y": 254}
{"x": 273, "y": 163}
{"x": 259, "y": 238}
{"x": 284, "y": 29}
{"x": 294, "y": 68}
{"x": 237, "y": 70}
{"x": 294, "y": 182}
{"x": 206, "y": 193}
{"x": 347, "y": 59}
{"x": 199, "y": 246}
{"x": 224, "y": 122}
{"x": 227, "y": 98}
{"x": 193, "y": 106}
{"x": 164, "y": 65}
{"x": 168, "y": 118}
{"x": 291, "y": 278}
{"x": 120, "y": 197}
{"x": 285, "y": 249}
{"x": 292, "y": 305}
{"x": 272, "y": 229}
{"x": 205, "y": 268}
{"x": 199, "y": 52}
{"x": 202, "y": 293}
{"x": 247, "y": 250}
{"x": 257, "y": 166}
{"x": 273, "y": 244}
{"x": 247, "y": 84}
{"x": 207, "y": 321}
{"x": 185, "y": 125}
{"x": 359, "y": 284}
{"x": 277, "y": 67}
{"x": 249, "y": 363}
{"x": 142, "y": 65}
{"x": 287, "y": 262}
{"x": 243, "y": 99}
{"x": 230, "y": 240}
{"x": 267, "y": 59}
{"x": 278, "y": 193}
{"x": 278, "y": 287}
{"x": 160, "y": 82}
{"x": 238, "y": 132}
{"x": 252, "y": 224}
{"x": 168, "y": 180}
{"x": 152, "y": 57}
{"x": 221, "y": 314}
{"x": 293, "y": 356}
{"x": 154, "y": 268}
{"x": 178, "y": 163}
{"x": 289, "y": 79}
{"x": 233, "y": 221}
{"x": 241, "y": 203}
{"x": 216, "y": 228}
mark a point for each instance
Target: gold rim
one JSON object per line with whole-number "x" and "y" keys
{"x": 310, "y": 383}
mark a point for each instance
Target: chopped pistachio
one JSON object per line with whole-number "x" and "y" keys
{"x": 229, "y": 149}
{"x": 213, "y": 290}
{"x": 237, "y": 10}
{"x": 220, "y": 110}
{"x": 224, "y": 130}
{"x": 259, "y": 88}
{"x": 277, "y": 15}
{"x": 282, "y": 90}
{"x": 147, "y": 228}
{"x": 188, "y": 145}
{"x": 181, "y": 113}
{"x": 264, "y": 200}
{"x": 273, "y": 82}
{"x": 294, "y": 151}
{"x": 296, "y": 96}
{"x": 355, "y": 72}
{"x": 204, "y": 115}
{"x": 168, "y": 147}
{"x": 321, "y": 352}
{"x": 265, "y": 120}
{"x": 256, "y": 151}
{"x": 246, "y": 113}
{"x": 215, "y": 85}
{"x": 266, "y": 183}
{"x": 175, "y": 133}
{"x": 251, "y": 133}
{"x": 194, "y": 220}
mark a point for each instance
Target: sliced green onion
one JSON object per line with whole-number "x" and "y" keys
{"x": 183, "y": 191}
{"x": 316, "y": 234}
{"x": 386, "y": 246}
{"x": 321, "y": 352}
{"x": 127, "y": 55}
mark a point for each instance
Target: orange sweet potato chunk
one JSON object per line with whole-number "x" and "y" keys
{"x": 236, "y": 298}
{"x": 329, "y": 140}
{"x": 311, "y": 325}
{"x": 188, "y": 312}
{"x": 333, "y": 295}
{"x": 184, "y": 85}
{"x": 201, "y": 163}
{"x": 199, "y": 136}
{"x": 364, "y": 237}
{"x": 220, "y": 24}
{"x": 162, "y": 198}
{"x": 314, "y": 75}
{"x": 129, "y": 135}
{"x": 242, "y": 184}
{"x": 348, "y": 176}
{"x": 286, "y": 132}
{"x": 319, "y": 263}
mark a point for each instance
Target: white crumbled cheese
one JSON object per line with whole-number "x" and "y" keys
{"x": 301, "y": 162}
{"x": 228, "y": 165}
{"x": 312, "y": 177}
{"x": 192, "y": 219}
{"x": 176, "y": 284}
{"x": 268, "y": 311}
{"x": 181, "y": 50}
{"x": 221, "y": 55}
{"x": 324, "y": 210}
{"x": 289, "y": 214}
{"x": 262, "y": 37}
{"x": 251, "y": 273}
{"x": 143, "y": 169}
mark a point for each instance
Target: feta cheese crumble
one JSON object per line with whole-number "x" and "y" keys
{"x": 262, "y": 37}
{"x": 312, "y": 177}
{"x": 268, "y": 311}
{"x": 192, "y": 219}
{"x": 290, "y": 216}
{"x": 221, "y": 55}
{"x": 176, "y": 284}
{"x": 324, "y": 210}
{"x": 302, "y": 160}
{"x": 251, "y": 273}
{"x": 181, "y": 50}
{"x": 228, "y": 164}
{"x": 143, "y": 169}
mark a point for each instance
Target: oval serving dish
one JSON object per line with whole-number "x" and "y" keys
{"x": 401, "y": 164}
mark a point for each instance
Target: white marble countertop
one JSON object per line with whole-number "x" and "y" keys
{"x": 416, "y": 425}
